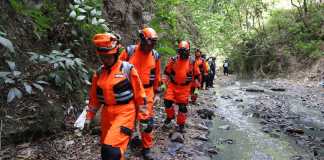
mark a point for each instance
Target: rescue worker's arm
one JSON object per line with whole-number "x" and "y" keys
{"x": 94, "y": 104}
{"x": 197, "y": 75}
{"x": 167, "y": 70}
{"x": 205, "y": 68}
{"x": 123, "y": 56}
{"x": 139, "y": 95}
{"x": 196, "y": 67}
{"x": 157, "y": 81}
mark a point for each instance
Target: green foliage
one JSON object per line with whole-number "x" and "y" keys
{"x": 87, "y": 16}
{"x": 67, "y": 71}
{"x": 285, "y": 34}
{"x": 15, "y": 80}
{"x": 43, "y": 17}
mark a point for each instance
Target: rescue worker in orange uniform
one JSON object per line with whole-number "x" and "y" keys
{"x": 199, "y": 62}
{"x": 117, "y": 88}
{"x": 181, "y": 72}
{"x": 146, "y": 60}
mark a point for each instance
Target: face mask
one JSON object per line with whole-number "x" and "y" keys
{"x": 183, "y": 53}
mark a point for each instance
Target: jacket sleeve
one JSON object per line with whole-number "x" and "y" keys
{"x": 205, "y": 68}
{"x": 139, "y": 95}
{"x": 94, "y": 104}
{"x": 123, "y": 56}
{"x": 157, "y": 81}
{"x": 167, "y": 69}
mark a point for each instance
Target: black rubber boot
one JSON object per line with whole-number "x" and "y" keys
{"x": 181, "y": 129}
{"x": 147, "y": 154}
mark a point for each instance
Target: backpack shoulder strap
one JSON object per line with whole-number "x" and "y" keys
{"x": 126, "y": 69}
{"x": 130, "y": 51}
{"x": 156, "y": 54}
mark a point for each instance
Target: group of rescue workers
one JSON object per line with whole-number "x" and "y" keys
{"x": 129, "y": 81}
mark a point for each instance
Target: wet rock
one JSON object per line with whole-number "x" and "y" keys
{"x": 202, "y": 127}
{"x": 206, "y": 113}
{"x": 295, "y": 130}
{"x": 224, "y": 127}
{"x": 227, "y": 141}
{"x": 226, "y": 97}
{"x": 266, "y": 129}
{"x": 296, "y": 158}
{"x": 173, "y": 147}
{"x": 254, "y": 90}
{"x": 255, "y": 115}
{"x": 278, "y": 89}
{"x": 176, "y": 137}
{"x": 202, "y": 137}
{"x": 239, "y": 100}
{"x": 213, "y": 150}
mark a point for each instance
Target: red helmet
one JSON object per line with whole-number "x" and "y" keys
{"x": 148, "y": 34}
{"x": 184, "y": 49}
{"x": 106, "y": 43}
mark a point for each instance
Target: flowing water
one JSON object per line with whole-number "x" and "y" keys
{"x": 245, "y": 140}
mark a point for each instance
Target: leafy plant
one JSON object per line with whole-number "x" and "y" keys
{"x": 67, "y": 71}
{"x": 7, "y": 43}
{"x": 15, "y": 80}
{"x": 87, "y": 12}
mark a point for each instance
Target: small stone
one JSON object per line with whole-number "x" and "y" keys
{"x": 201, "y": 127}
{"x": 202, "y": 137}
{"x": 239, "y": 100}
{"x": 224, "y": 127}
{"x": 212, "y": 150}
{"x": 176, "y": 137}
{"x": 296, "y": 158}
{"x": 227, "y": 141}
{"x": 173, "y": 147}
{"x": 278, "y": 89}
{"x": 295, "y": 130}
{"x": 254, "y": 90}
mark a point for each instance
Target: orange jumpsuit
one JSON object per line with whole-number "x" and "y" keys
{"x": 120, "y": 92}
{"x": 200, "y": 63}
{"x": 181, "y": 73}
{"x": 148, "y": 66}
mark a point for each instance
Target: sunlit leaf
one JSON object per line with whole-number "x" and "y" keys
{"x": 11, "y": 95}
{"x": 12, "y": 65}
{"x": 7, "y": 43}
{"x": 38, "y": 87}
{"x": 28, "y": 88}
{"x": 73, "y": 14}
{"x": 81, "y": 17}
{"x": 9, "y": 81}
{"x": 4, "y": 74}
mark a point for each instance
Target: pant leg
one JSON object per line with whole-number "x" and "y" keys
{"x": 115, "y": 140}
{"x": 147, "y": 136}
